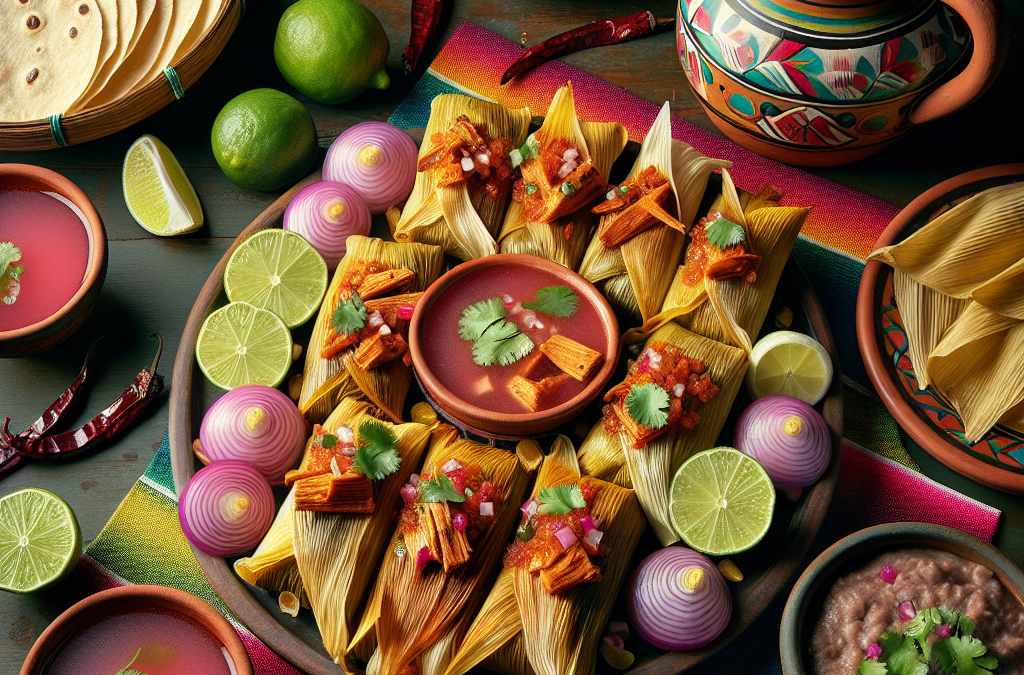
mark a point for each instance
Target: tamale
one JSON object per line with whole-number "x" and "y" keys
{"x": 651, "y": 467}
{"x": 460, "y": 222}
{"x": 414, "y": 605}
{"x": 565, "y": 239}
{"x": 732, "y": 310}
{"x": 337, "y": 554}
{"x": 636, "y": 275}
{"x": 522, "y": 629}
{"x": 272, "y": 565}
{"x": 926, "y": 327}
{"x": 327, "y": 381}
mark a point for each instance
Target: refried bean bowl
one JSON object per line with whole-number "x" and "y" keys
{"x": 867, "y": 605}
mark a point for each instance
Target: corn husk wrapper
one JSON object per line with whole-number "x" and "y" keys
{"x": 272, "y": 565}
{"x": 732, "y": 310}
{"x": 326, "y": 382}
{"x": 602, "y": 142}
{"x": 463, "y": 225}
{"x": 978, "y": 366}
{"x": 651, "y": 468}
{"x": 337, "y": 554}
{"x": 409, "y": 611}
{"x": 959, "y": 285}
{"x": 1014, "y": 418}
{"x": 637, "y": 274}
{"x": 522, "y": 629}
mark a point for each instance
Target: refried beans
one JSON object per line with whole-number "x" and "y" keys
{"x": 861, "y": 607}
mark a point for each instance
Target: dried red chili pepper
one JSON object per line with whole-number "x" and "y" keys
{"x": 105, "y": 426}
{"x": 426, "y": 17}
{"x": 594, "y": 34}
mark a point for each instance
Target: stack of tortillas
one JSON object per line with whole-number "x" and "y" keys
{"x": 63, "y": 56}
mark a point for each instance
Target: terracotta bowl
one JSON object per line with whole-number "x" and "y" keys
{"x": 126, "y": 598}
{"x": 997, "y": 460}
{"x": 513, "y": 425}
{"x": 55, "y": 329}
{"x": 850, "y": 554}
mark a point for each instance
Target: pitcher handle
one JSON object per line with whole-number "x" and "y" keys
{"x": 990, "y": 48}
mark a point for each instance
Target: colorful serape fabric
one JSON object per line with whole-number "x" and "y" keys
{"x": 143, "y": 542}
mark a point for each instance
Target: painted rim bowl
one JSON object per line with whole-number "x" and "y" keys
{"x": 58, "y": 327}
{"x": 997, "y": 460}
{"x": 125, "y": 598}
{"x": 851, "y": 554}
{"x": 513, "y": 425}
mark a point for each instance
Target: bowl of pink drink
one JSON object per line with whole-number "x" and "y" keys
{"x": 53, "y": 258}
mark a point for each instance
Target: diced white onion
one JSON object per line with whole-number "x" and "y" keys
{"x": 486, "y": 509}
{"x": 467, "y": 163}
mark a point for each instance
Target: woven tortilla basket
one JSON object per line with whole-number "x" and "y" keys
{"x": 135, "y": 106}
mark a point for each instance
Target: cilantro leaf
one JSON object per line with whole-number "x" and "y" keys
{"x": 501, "y": 342}
{"x": 869, "y": 667}
{"x": 9, "y": 254}
{"x": 560, "y": 499}
{"x": 554, "y": 300}
{"x": 350, "y": 314}
{"x": 899, "y": 652}
{"x": 377, "y": 455}
{"x": 439, "y": 489}
{"x": 723, "y": 233}
{"x": 963, "y": 656}
{"x": 648, "y": 404}
{"x": 126, "y": 670}
{"x": 920, "y": 627}
{"x": 528, "y": 150}
{"x": 479, "y": 317}
{"x": 328, "y": 441}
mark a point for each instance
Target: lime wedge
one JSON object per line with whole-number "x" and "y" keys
{"x": 241, "y": 344}
{"x": 721, "y": 501}
{"x": 280, "y": 271}
{"x": 40, "y": 541}
{"x": 156, "y": 190}
{"x": 790, "y": 363}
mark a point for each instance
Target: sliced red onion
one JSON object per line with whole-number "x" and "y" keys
{"x": 377, "y": 159}
{"x": 677, "y": 599}
{"x": 592, "y": 542}
{"x": 907, "y": 610}
{"x": 888, "y": 575}
{"x": 327, "y": 213}
{"x": 256, "y": 424}
{"x": 565, "y": 536}
{"x": 226, "y": 508}
{"x": 587, "y": 523}
{"x": 789, "y": 438}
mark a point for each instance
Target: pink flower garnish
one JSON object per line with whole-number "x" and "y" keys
{"x": 874, "y": 650}
{"x": 907, "y": 610}
{"x": 888, "y": 575}
{"x": 943, "y": 630}
{"x": 459, "y": 521}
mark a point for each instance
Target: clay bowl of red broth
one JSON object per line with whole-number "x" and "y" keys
{"x": 878, "y": 578}
{"x": 50, "y": 283}
{"x": 150, "y": 629}
{"x": 485, "y": 339}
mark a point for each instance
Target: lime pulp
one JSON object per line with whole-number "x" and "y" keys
{"x": 40, "y": 540}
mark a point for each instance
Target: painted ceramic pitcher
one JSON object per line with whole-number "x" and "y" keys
{"x": 832, "y": 81}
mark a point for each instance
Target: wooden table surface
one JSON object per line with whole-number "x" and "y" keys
{"x": 152, "y": 282}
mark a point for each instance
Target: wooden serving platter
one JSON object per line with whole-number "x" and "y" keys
{"x": 768, "y": 567}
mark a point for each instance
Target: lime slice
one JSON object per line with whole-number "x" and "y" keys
{"x": 40, "y": 541}
{"x": 156, "y": 190}
{"x": 277, "y": 270}
{"x": 721, "y": 501}
{"x": 241, "y": 344}
{"x": 790, "y": 363}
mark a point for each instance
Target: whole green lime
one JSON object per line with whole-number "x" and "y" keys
{"x": 331, "y": 50}
{"x": 264, "y": 140}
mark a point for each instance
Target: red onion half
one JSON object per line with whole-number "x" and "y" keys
{"x": 375, "y": 158}
{"x": 258, "y": 425}
{"x": 226, "y": 508}
{"x": 677, "y": 599}
{"x": 789, "y": 438}
{"x": 326, "y": 214}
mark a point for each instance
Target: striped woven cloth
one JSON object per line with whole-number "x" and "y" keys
{"x": 143, "y": 542}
